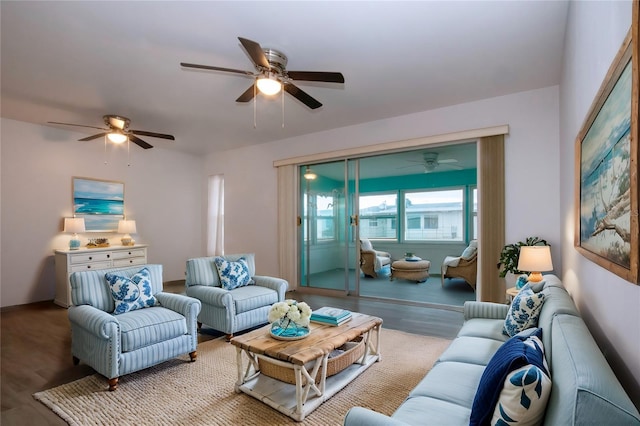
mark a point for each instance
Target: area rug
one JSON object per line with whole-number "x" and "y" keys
{"x": 179, "y": 392}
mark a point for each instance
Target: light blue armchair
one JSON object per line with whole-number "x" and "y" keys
{"x": 231, "y": 311}
{"x": 115, "y": 345}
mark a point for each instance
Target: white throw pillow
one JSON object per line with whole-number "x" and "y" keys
{"x": 523, "y": 399}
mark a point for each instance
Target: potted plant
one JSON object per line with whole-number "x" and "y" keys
{"x": 511, "y": 253}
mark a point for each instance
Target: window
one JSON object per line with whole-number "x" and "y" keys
{"x": 325, "y": 223}
{"x": 434, "y": 215}
{"x": 215, "y": 216}
{"x": 378, "y": 216}
{"x": 321, "y": 223}
{"x": 474, "y": 213}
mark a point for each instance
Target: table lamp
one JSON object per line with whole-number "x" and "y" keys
{"x": 127, "y": 227}
{"x": 74, "y": 225}
{"x": 535, "y": 259}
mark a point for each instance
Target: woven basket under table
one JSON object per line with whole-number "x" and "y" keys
{"x": 353, "y": 351}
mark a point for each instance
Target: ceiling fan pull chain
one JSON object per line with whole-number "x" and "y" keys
{"x": 282, "y": 108}
{"x": 255, "y": 95}
{"x": 105, "y": 149}
{"x": 128, "y": 152}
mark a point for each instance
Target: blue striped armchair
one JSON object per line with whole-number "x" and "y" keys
{"x": 115, "y": 344}
{"x": 232, "y": 310}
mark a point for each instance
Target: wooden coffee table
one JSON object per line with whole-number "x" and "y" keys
{"x": 306, "y": 357}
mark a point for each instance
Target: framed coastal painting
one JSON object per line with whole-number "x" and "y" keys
{"x": 607, "y": 169}
{"x": 99, "y": 202}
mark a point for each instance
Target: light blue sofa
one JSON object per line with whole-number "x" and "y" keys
{"x": 584, "y": 388}
{"x": 115, "y": 345}
{"x": 231, "y": 311}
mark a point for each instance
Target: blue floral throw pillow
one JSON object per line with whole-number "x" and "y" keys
{"x": 524, "y": 311}
{"x": 233, "y": 274}
{"x": 131, "y": 293}
{"x": 515, "y": 385}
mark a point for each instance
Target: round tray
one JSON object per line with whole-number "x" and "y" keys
{"x": 288, "y": 338}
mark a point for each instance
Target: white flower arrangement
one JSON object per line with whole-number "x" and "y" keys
{"x": 297, "y": 312}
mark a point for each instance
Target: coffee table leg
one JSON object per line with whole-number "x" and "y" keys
{"x": 302, "y": 392}
{"x": 239, "y": 364}
{"x": 251, "y": 371}
{"x": 370, "y": 349}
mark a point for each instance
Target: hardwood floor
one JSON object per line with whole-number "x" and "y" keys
{"x": 36, "y": 346}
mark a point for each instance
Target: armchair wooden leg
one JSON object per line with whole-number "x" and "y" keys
{"x": 193, "y": 355}
{"x": 113, "y": 384}
{"x": 228, "y": 337}
{"x": 76, "y": 360}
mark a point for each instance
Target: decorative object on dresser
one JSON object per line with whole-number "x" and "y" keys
{"x": 127, "y": 227}
{"x": 98, "y": 243}
{"x": 70, "y": 261}
{"x": 74, "y": 225}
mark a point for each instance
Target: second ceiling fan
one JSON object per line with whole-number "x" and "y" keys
{"x": 271, "y": 74}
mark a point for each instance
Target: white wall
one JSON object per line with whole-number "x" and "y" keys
{"x": 162, "y": 193}
{"x": 609, "y": 305}
{"x": 532, "y": 168}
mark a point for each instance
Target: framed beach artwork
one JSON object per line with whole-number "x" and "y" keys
{"x": 607, "y": 169}
{"x": 99, "y": 202}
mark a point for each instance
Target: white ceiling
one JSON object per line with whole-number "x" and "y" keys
{"x": 76, "y": 61}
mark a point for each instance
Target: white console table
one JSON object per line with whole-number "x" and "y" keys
{"x": 69, "y": 261}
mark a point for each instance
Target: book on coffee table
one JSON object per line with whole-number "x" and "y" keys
{"x": 331, "y": 316}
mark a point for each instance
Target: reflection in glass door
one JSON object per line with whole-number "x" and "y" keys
{"x": 326, "y": 233}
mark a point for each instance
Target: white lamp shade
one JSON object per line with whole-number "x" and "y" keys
{"x": 117, "y": 137}
{"x": 535, "y": 259}
{"x": 74, "y": 224}
{"x": 127, "y": 227}
{"x": 269, "y": 86}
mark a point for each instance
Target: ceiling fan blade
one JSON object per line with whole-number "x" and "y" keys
{"x": 247, "y": 95}
{"x": 255, "y": 52}
{"x": 77, "y": 125}
{"x": 453, "y": 166}
{"x": 329, "y": 77}
{"x": 139, "y": 142}
{"x": 413, "y": 165}
{"x": 212, "y": 68}
{"x": 302, "y": 96}
{"x": 152, "y": 134}
{"x": 448, "y": 160}
{"x": 89, "y": 138}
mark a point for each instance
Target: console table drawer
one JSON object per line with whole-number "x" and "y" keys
{"x": 118, "y": 263}
{"x": 126, "y": 254}
{"x": 89, "y": 266}
{"x": 89, "y": 257}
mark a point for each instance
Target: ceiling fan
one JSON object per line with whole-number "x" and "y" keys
{"x": 430, "y": 162}
{"x": 271, "y": 74}
{"x": 119, "y": 132}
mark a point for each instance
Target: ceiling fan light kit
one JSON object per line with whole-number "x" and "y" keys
{"x": 117, "y": 137}
{"x": 271, "y": 75}
{"x": 269, "y": 85}
{"x": 118, "y": 131}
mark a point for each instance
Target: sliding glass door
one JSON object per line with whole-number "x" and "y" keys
{"x": 328, "y": 259}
